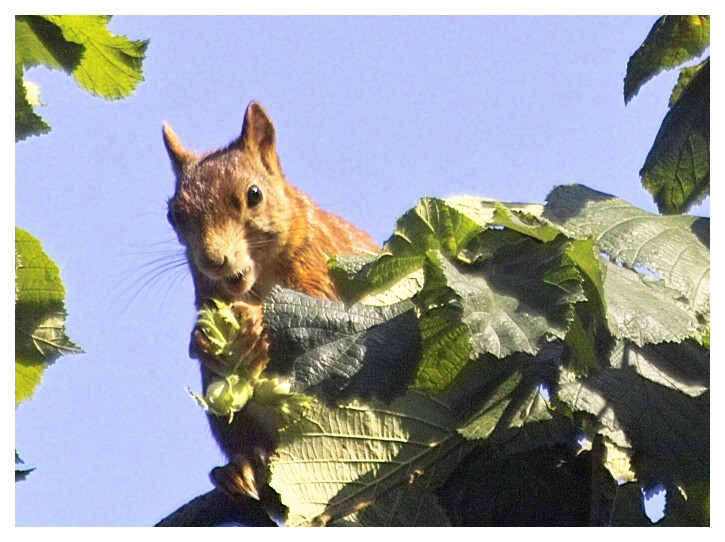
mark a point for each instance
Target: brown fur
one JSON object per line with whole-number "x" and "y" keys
{"x": 284, "y": 239}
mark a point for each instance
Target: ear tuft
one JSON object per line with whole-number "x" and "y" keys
{"x": 258, "y": 136}
{"x": 177, "y": 153}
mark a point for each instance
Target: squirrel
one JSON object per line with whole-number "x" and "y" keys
{"x": 246, "y": 229}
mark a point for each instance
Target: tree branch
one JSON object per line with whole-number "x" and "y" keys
{"x": 215, "y": 509}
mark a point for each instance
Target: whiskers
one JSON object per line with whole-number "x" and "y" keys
{"x": 253, "y": 296}
{"x": 159, "y": 273}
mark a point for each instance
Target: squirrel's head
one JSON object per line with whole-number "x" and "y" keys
{"x": 229, "y": 209}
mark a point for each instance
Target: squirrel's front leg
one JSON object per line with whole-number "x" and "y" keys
{"x": 249, "y": 438}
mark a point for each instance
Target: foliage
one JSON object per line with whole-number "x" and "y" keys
{"x": 236, "y": 347}
{"x": 531, "y": 330}
{"x": 104, "y": 65}
{"x": 21, "y": 474}
{"x": 515, "y": 364}
{"x": 677, "y": 169}
{"x": 40, "y": 314}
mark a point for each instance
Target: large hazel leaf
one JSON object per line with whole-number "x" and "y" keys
{"x": 39, "y": 315}
{"x": 682, "y": 366}
{"x": 407, "y": 506}
{"x": 673, "y": 39}
{"x": 349, "y": 275}
{"x": 675, "y": 249}
{"x": 508, "y": 398}
{"x": 447, "y": 226}
{"x": 82, "y": 46}
{"x": 334, "y": 461}
{"x": 339, "y": 352}
{"x": 414, "y": 504}
{"x": 103, "y": 64}
{"x": 677, "y": 169}
{"x": 110, "y": 66}
{"x": 431, "y": 225}
{"x": 668, "y": 431}
{"x": 514, "y": 301}
{"x": 644, "y": 311}
{"x": 40, "y": 41}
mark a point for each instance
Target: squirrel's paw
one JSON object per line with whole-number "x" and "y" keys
{"x": 244, "y": 475}
{"x": 253, "y": 337}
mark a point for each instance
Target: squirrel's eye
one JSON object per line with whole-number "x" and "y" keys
{"x": 254, "y": 196}
{"x": 170, "y": 218}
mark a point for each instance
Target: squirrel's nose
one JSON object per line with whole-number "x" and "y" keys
{"x": 212, "y": 262}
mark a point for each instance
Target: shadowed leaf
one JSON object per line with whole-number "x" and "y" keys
{"x": 673, "y": 39}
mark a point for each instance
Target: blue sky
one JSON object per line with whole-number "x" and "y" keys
{"x": 371, "y": 113}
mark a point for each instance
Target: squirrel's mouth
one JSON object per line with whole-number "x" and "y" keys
{"x": 238, "y": 283}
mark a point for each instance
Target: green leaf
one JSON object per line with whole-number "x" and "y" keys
{"x": 628, "y": 510}
{"x": 447, "y": 226}
{"x": 103, "y": 64}
{"x": 501, "y": 402}
{"x": 349, "y": 272}
{"x": 21, "y": 474}
{"x": 588, "y": 332}
{"x": 686, "y": 75}
{"x": 674, "y": 248}
{"x": 645, "y": 311}
{"x": 514, "y": 301}
{"x": 39, "y": 315}
{"x": 677, "y": 169}
{"x": 688, "y": 505}
{"x": 362, "y": 351}
{"x": 335, "y": 460}
{"x": 40, "y": 42}
{"x": 27, "y": 121}
{"x": 511, "y": 400}
{"x": 684, "y": 366}
{"x": 485, "y": 422}
{"x": 673, "y": 40}
{"x": 544, "y": 487}
{"x": 110, "y": 66}
{"x": 431, "y": 225}
{"x": 408, "y": 506}
{"x": 345, "y": 272}
{"x": 668, "y": 431}
{"x": 529, "y": 224}
{"x": 482, "y": 210}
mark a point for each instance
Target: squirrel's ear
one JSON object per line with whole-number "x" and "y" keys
{"x": 258, "y": 136}
{"x": 177, "y": 153}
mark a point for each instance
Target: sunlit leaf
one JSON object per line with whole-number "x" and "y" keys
{"x": 673, "y": 39}
{"x": 27, "y": 121}
{"x": 110, "y": 66}
{"x": 674, "y": 249}
{"x": 39, "y": 315}
{"x": 407, "y": 506}
{"x": 334, "y": 460}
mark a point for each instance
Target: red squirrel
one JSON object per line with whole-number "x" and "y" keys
{"x": 246, "y": 230}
